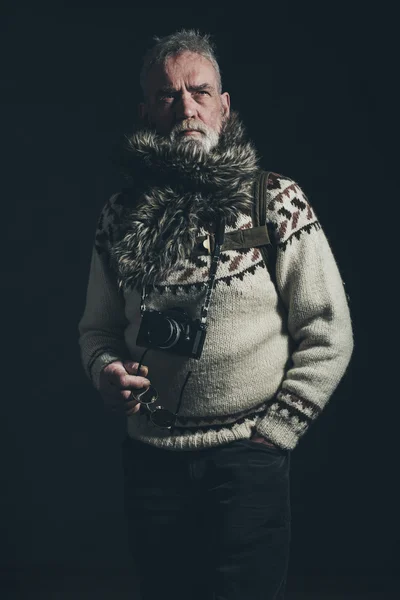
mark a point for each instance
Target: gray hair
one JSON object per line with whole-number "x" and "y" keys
{"x": 185, "y": 40}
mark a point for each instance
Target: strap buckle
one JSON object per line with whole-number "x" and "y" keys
{"x": 209, "y": 243}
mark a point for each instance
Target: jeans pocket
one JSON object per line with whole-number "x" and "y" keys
{"x": 263, "y": 447}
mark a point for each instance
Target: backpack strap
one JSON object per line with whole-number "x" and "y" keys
{"x": 261, "y": 196}
{"x": 239, "y": 239}
{"x": 260, "y": 236}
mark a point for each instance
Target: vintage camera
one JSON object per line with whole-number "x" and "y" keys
{"x": 173, "y": 331}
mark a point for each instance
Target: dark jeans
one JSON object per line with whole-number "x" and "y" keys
{"x": 209, "y": 524}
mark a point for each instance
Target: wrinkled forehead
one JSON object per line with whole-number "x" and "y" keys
{"x": 185, "y": 69}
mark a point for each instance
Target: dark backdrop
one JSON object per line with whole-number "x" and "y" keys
{"x": 316, "y": 85}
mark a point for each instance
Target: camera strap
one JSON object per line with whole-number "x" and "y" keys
{"x": 219, "y": 240}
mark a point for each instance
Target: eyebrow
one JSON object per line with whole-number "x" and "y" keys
{"x": 192, "y": 88}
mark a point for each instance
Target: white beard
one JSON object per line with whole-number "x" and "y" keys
{"x": 206, "y": 141}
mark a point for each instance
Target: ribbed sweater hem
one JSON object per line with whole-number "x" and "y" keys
{"x": 191, "y": 440}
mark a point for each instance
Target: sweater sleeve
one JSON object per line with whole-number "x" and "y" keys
{"x": 102, "y": 326}
{"x": 318, "y": 318}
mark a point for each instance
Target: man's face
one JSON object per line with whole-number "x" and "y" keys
{"x": 183, "y": 101}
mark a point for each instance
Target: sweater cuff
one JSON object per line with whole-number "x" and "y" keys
{"x": 281, "y": 429}
{"x": 278, "y": 432}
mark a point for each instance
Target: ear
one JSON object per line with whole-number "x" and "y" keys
{"x": 226, "y": 104}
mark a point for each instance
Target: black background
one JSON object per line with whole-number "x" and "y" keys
{"x": 315, "y": 84}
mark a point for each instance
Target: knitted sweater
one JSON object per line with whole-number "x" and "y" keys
{"x": 273, "y": 354}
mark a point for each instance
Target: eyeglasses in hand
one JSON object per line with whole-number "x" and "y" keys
{"x": 159, "y": 416}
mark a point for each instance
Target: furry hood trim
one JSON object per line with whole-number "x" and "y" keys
{"x": 177, "y": 191}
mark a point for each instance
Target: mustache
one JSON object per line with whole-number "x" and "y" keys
{"x": 189, "y": 124}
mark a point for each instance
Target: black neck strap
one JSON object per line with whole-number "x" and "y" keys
{"x": 219, "y": 240}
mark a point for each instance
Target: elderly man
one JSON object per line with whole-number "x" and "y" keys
{"x": 243, "y": 347}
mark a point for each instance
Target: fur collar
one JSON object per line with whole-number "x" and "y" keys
{"x": 177, "y": 191}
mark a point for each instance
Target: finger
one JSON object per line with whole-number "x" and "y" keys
{"x": 114, "y": 375}
{"x": 115, "y": 398}
{"x": 122, "y": 402}
{"x": 132, "y": 411}
{"x": 131, "y": 406}
{"x": 131, "y": 367}
{"x": 127, "y": 382}
{"x": 131, "y": 403}
{"x": 126, "y": 395}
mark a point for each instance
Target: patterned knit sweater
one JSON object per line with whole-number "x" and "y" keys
{"x": 273, "y": 354}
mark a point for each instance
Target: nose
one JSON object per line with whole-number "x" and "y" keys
{"x": 185, "y": 107}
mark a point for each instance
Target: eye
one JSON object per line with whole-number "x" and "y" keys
{"x": 166, "y": 97}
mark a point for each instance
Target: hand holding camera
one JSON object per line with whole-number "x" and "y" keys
{"x": 117, "y": 381}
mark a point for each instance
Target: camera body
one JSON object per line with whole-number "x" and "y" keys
{"x": 172, "y": 331}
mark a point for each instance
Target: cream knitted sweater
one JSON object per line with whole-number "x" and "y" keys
{"x": 271, "y": 360}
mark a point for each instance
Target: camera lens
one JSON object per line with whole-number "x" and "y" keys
{"x": 165, "y": 333}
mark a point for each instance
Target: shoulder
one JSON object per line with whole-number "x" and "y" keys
{"x": 288, "y": 209}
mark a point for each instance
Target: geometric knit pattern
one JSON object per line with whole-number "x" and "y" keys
{"x": 289, "y": 210}
{"x": 194, "y": 273}
{"x": 274, "y": 352}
